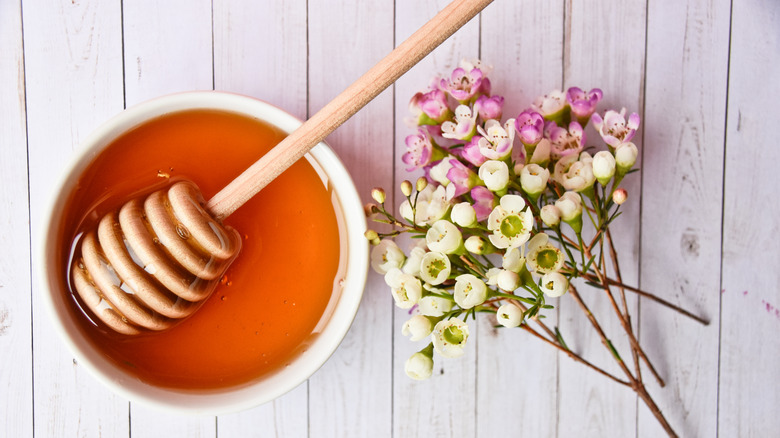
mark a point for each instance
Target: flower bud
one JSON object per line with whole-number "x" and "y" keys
{"x": 378, "y": 194}
{"x": 508, "y": 281}
{"x": 370, "y": 209}
{"x": 419, "y": 366}
{"x": 570, "y": 205}
{"x": 495, "y": 174}
{"x": 422, "y": 182}
{"x": 371, "y": 235}
{"x": 509, "y": 315}
{"x": 603, "y": 166}
{"x": 551, "y": 215}
{"x": 619, "y": 196}
{"x": 625, "y": 157}
{"x": 478, "y": 245}
{"x": 417, "y": 328}
{"x": 464, "y": 215}
{"x": 406, "y": 188}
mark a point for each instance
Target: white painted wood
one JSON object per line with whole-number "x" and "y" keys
{"x": 515, "y": 369}
{"x": 604, "y": 48}
{"x": 16, "y": 409}
{"x": 445, "y": 404}
{"x": 260, "y": 51}
{"x": 167, "y": 48}
{"x": 750, "y": 300}
{"x": 351, "y": 394}
{"x": 687, "y": 63}
{"x": 73, "y": 72}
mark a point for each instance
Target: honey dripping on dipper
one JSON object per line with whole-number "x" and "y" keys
{"x": 150, "y": 264}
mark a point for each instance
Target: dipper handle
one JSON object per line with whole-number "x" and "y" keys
{"x": 343, "y": 106}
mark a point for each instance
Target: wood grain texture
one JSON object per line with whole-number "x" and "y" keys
{"x": 260, "y": 50}
{"x": 687, "y": 62}
{"x": 167, "y": 48}
{"x": 750, "y": 315}
{"x": 445, "y": 404}
{"x": 73, "y": 71}
{"x": 16, "y": 405}
{"x": 515, "y": 370}
{"x": 604, "y": 48}
{"x": 350, "y": 395}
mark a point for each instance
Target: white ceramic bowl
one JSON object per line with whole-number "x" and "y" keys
{"x": 328, "y": 333}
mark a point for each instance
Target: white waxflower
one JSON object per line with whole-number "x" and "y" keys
{"x": 562, "y": 167}
{"x": 513, "y": 260}
{"x": 417, "y": 327}
{"x": 541, "y": 155}
{"x": 412, "y": 264}
{"x": 419, "y": 366}
{"x": 570, "y": 206}
{"x": 432, "y": 205}
{"x": 551, "y": 215}
{"x": 495, "y": 174}
{"x": 406, "y": 289}
{"x": 554, "y": 284}
{"x": 625, "y": 157}
{"x": 449, "y": 337}
{"x": 542, "y": 256}
{"x": 603, "y": 166}
{"x": 492, "y": 276}
{"x": 509, "y": 315}
{"x": 464, "y": 215}
{"x": 444, "y": 237}
{"x": 508, "y": 280}
{"x": 533, "y": 179}
{"x": 580, "y": 174}
{"x": 439, "y": 172}
{"x": 511, "y": 222}
{"x": 470, "y": 291}
{"x": 435, "y": 268}
{"x": 475, "y": 245}
{"x": 434, "y": 306}
{"x": 385, "y": 256}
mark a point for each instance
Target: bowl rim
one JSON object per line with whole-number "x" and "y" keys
{"x": 231, "y": 399}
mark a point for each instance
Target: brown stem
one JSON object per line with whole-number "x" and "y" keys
{"x": 650, "y": 296}
{"x": 636, "y": 385}
{"x": 574, "y": 356}
{"x": 626, "y": 315}
{"x": 626, "y": 327}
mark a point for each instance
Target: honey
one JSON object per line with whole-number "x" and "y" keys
{"x": 266, "y": 306}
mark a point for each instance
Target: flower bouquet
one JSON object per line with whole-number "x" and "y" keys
{"x": 506, "y": 216}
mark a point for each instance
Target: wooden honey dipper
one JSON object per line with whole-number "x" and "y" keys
{"x": 153, "y": 262}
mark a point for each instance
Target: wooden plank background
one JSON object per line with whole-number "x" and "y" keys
{"x": 700, "y": 229}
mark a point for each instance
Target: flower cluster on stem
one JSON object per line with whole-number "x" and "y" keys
{"x": 508, "y": 213}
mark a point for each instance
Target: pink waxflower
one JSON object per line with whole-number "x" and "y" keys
{"x": 583, "y": 104}
{"x": 419, "y": 150}
{"x": 564, "y": 141}
{"x": 489, "y": 107}
{"x": 432, "y": 105}
{"x": 551, "y": 106}
{"x": 464, "y": 84}
{"x": 613, "y": 127}
{"x": 470, "y": 152}
{"x": 464, "y": 126}
{"x": 530, "y": 125}
{"x": 462, "y": 179}
{"x": 496, "y": 141}
{"x": 484, "y": 202}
